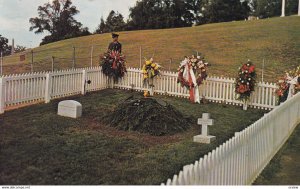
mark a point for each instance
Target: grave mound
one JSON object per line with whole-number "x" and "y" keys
{"x": 147, "y": 115}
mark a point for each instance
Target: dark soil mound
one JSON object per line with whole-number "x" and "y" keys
{"x": 147, "y": 115}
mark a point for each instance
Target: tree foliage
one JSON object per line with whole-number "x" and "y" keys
{"x": 4, "y": 47}
{"x": 154, "y": 14}
{"x": 223, "y": 11}
{"x": 114, "y": 23}
{"x": 57, "y": 18}
{"x": 271, "y": 8}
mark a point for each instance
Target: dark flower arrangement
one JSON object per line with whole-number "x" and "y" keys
{"x": 245, "y": 82}
{"x": 113, "y": 64}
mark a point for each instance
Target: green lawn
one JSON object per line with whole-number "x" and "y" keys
{"x": 225, "y": 45}
{"x": 284, "y": 167}
{"x": 39, "y": 147}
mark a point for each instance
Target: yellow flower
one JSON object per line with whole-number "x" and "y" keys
{"x": 153, "y": 65}
{"x": 148, "y": 62}
{"x": 156, "y": 67}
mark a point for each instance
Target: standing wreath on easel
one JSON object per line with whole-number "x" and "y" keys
{"x": 245, "y": 82}
{"x": 113, "y": 64}
{"x": 191, "y": 74}
{"x": 150, "y": 70}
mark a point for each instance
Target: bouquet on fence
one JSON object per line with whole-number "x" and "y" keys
{"x": 288, "y": 85}
{"x": 191, "y": 73}
{"x": 245, "y": 82}
{"x": 150, "y": 70}
{"x": 113, "y": 64}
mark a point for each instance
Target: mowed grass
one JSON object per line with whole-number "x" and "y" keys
{"x": 284, "y": 167}
{"x": 276, "y": 41}
{"x": 39, "y": 147}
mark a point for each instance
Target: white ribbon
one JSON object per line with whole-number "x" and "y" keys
{"x": 193, "y": 77}
{"x": 292, "y": 82}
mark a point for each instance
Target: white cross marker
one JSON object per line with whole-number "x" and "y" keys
{"x": 205, "y": 121}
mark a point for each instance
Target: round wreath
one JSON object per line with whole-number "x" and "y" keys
{"x": 245, "y": 82}
{"x": 113, "y": 64}
{"x": 199, "y": 67}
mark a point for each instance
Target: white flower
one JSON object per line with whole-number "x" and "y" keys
{"x": 249, "y": 79}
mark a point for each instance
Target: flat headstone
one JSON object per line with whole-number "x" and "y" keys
{"x": 69, "y": 108}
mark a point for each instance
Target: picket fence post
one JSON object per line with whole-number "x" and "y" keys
{"x": 83, "y": 82}
{"x": 2, "y": 94}
{"x": 48, "y": 88}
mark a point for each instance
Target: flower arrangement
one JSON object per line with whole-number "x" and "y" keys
{"x": 199, "y": 67}
{"x": 150, "y": 70}
{"x": 191, "y": 73}
{"x": 245, "y": 82}
{"x": 283, "y": 88}
{"x": 288, "y": 85}
{"x": 113, "y": 64}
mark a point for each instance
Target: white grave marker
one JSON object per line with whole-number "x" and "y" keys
{"x": 69, "y": 108}
{"x": 205, "y": 121}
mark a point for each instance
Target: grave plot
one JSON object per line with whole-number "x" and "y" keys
{"x": 40, "y": 147}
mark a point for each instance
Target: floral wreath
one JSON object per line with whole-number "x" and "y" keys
{"x": 191, "y": 73}
{"x": 150, "y": 70}
{"x": 113, "y": 64}
{"x": 288, "y": 84}
{"x": 199, "y": 67}
{"x": 245, "y": 82}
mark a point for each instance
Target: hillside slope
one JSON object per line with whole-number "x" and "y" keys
{"x": 225, "y": 46}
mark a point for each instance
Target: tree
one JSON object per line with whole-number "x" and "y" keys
{"x": 57, "y": 18}
{"x": 271, "y": 8}
{"x": 223, "y": 11}
{"x": 4, "y": 47}
{"x": 102, "y": 27}
{"x": 115, "y": 22}
{"x": 266, "y": 8}
{"x": 155, "y": 14}
{"x": 19, "y": 49}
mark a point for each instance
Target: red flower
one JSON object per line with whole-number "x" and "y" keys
{"x": 243, "y": 88}
{"x": 251, "y": 69}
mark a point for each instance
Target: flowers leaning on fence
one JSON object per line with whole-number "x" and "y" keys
{"x": 288, "y": 85}
{"x": 113, "y": 64}
{"x": 245, "y": 82}
{"x": 191, "y": 73}
{"x": 150, "y": 70}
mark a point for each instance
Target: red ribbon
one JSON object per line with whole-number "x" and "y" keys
{"x": 116, "y": 56}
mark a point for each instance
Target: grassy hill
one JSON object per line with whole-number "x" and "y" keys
{"x": 225, "y": 46}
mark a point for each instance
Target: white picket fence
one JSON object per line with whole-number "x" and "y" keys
{"x": 25, "y": 88}
{"x": 44, "y": 86}
{"x": 215, "y": 89}
{"x": 242, "y": 158}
